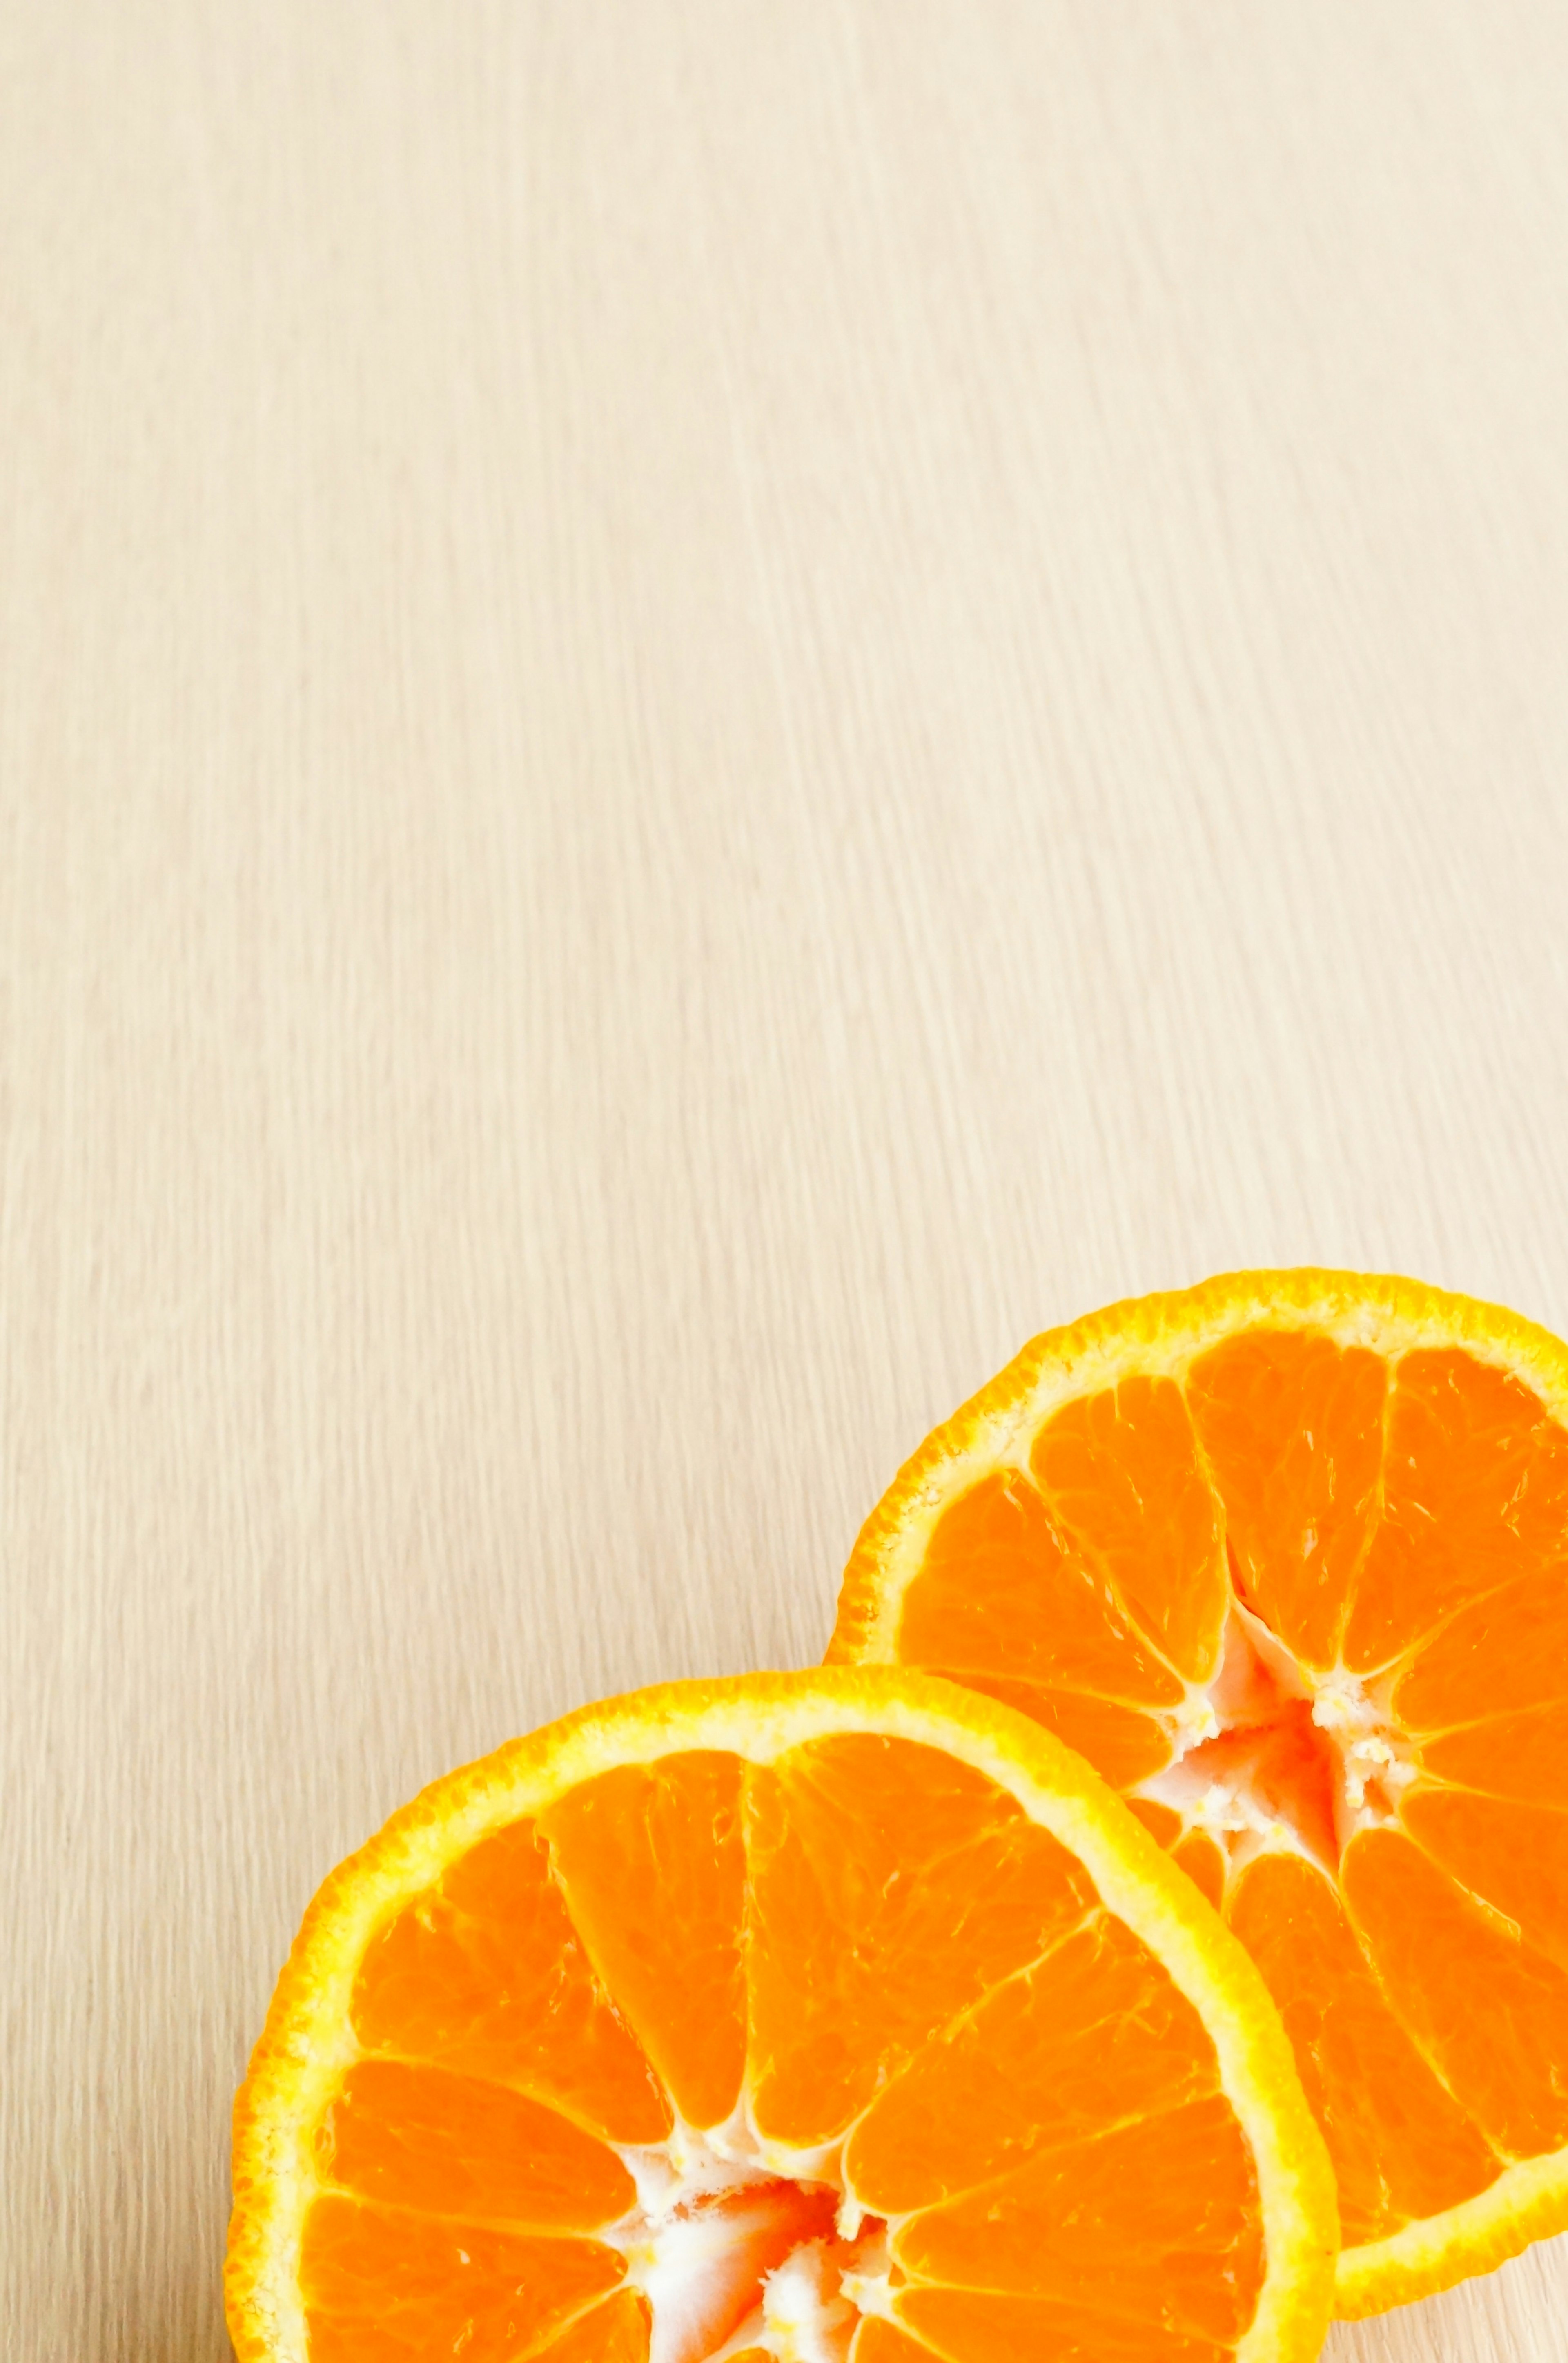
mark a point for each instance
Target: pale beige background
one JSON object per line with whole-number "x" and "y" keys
{"x": 703, "y": 706}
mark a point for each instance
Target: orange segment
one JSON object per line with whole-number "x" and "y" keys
{"x": 890, "y": 1886}
{"x": 1521, "y": 1757}
{"x": 382, "y": 2287}
{"x": 1001, "y": 1592}
{"x": 1337, "y": 1506}
{"x": 1292, "y": 1428}
{"x": 615, "y": 2331}
{"x": 1110, "y": 2220}
{"x": 1475, "y": 1493}
{"x": 1203, "y": 1859}
{"x": 1092, "y": 2035}
{"x": 878, "y": 2342}
{"x": 1506, "y": 1650}
{"x": 1514, "y": 1857}
{"x": 1121, "y": 1471}
{"x": 450, "y": 2145}
{"x": 651, "y": 1863}
{"x": 1163, "y": 1822}
{"x": 485, "y": 1973}
{"x": 1490, "y": 2013}
{"x": 969, "y": 2328}
{"x": 989, "y": 2034}
{"x": 1402, "y": 2146}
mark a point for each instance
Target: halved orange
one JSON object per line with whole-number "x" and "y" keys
{"x": 797, "y": 2016}
{"x": 1287, "y": 1557}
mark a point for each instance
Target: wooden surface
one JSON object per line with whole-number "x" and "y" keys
{"x": 704, "y": 708}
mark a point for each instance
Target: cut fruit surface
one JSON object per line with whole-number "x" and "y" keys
{"x": 793, "y": 2019}
{"x": 1286, "y": 1556}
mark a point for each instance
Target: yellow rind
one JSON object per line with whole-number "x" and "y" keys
{"x": 1528, "y": 2202}
{"x": 1163, "y": 1335}
{"x": 308, "y": 2040}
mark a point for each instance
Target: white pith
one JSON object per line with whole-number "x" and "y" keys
{"x": 706, "y": 2202}
{"x": 1366, "y": 1753}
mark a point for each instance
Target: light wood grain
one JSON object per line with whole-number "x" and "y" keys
{"x": 703, "y": 708}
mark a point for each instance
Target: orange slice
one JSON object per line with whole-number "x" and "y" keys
{"x": 1287, "y": 1557}
{"x": 799, "y": 2016}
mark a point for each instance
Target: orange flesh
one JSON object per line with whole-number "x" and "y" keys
{"x": 864, "y": 1946}
{"x": 394, "y": 2285}
{"x": 1360, "y": 1564}
{"x": 873, "y": 1940}
{"x": 415, "y": 2136}
{"x": 651, "y": 1863}
{"x": 967, "y": 2328}
{"x": 488, "y": 1976}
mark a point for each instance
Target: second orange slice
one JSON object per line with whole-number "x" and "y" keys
{"x": 1287, "y": 1557}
